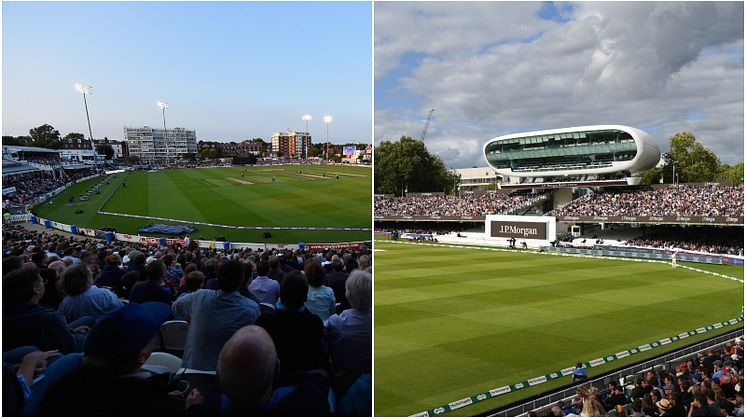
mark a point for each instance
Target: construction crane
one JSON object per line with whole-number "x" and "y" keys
{"x": 427, "y": 124}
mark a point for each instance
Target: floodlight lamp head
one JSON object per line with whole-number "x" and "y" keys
{"x": 162, "y": 105}
{"x": 307, "y": 117}
{"x": 328, "y": 119}
{"x": 84, "y": 88}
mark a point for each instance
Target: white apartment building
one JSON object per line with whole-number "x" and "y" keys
{"x": 151, "y": 144}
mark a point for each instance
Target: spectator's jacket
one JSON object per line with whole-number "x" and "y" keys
{"x": 298, "y": 336}
{"x": 308, "y": 397}
{"x": 350, "y": 339}
{"x": 35, "y": 325}
{"x": 94, "y": 302}
{"x": 111, "y": 276}
{"x": 213, "y": 316}
{"x": 265, "y": 289}
{"x": 90, "y": 392}
{"x": 336, "y": 281}
{"x": 146, "y": 291}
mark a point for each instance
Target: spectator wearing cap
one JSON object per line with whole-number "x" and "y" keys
{"x": 320, "y": 300}
{"x": 153, "y": 289}
{"x": 26, "y": 323}
{"x": 214, "y": 316}
{"x": 297, "y": 333}
{"x": 264, "y": 288}
{"x": 108, "y": 381}
{"x": 111, "y": 275}
{"x": 84, "y": 298}
{"x": 579, "y": 373}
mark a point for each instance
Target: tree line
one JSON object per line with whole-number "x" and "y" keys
{"x": 407, "y": 166}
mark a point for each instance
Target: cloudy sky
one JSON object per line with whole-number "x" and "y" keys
{"x": 230, "y": 70}
{"x": 490, "y": 69}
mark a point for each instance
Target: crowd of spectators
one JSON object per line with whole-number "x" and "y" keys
{"x": 710, "y": 239}
{"x": 282, "y": 328}
{"x": 682, "y": 200}
{"x": 41, "y": 159}
{"x": 451, "y": 206}
{"x": 33, "y": 185}
{"x": 707, "y": 385}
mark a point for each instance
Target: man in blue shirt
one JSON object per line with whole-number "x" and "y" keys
{"x": 213, "y": 316}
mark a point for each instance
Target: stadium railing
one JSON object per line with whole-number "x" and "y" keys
{"x": 568, "y": 392}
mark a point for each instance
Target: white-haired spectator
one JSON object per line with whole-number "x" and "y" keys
{"x": 349, "y": 334}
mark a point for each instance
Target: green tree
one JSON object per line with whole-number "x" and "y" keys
{"x": 209, "y": 154}
{"x": 74, "y": 136}
{"x": 407, "y": 165}
{"x": 132, "y": 159}
{"x": 45, "y": 136}
{"x": 189, "y": 157}
{"x": 106, "y": 149}
{"x": 729, "y": 173}
{"x": 20, "y": 140}
{"x": 694, "y": 162}
{"x": 314, "y": 151}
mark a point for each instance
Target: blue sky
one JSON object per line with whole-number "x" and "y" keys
{"x": 495, "y": 68}
{"x": 229, "y": 70}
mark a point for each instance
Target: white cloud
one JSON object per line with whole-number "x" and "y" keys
{"x": 665, "y": 67}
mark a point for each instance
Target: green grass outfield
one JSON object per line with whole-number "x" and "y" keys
{"x": 214, "y": 195}
{"x": 452, "y": 323}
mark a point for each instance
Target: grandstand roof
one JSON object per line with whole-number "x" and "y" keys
{"x": 585, "y": 150}
{"x": 17, "y": 148}
{"x": 11, "y": 167}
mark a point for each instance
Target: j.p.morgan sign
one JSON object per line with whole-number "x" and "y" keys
{"x": 537, "y": 231}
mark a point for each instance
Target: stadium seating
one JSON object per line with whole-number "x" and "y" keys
{"x": 173, "y": 335}
{"x": 28, "y": 252}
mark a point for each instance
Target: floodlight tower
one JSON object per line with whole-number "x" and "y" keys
{"x": 307, "y": 118}
{"x": 88, "y": 90}
{"x": 327, "y": 121}
{"x": 164, "y": 106}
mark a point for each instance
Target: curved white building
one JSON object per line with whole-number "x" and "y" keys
{"x": 588, "y": 150}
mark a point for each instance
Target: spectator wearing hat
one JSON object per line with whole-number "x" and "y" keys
{"x": 297, "y": 333}
{"x": 84, "y": 298}
{"x": 664, "y": 408}
{"x": 108, "y": 381}
{"x": 26, "y": 323}
{"x": 214, "y": 316}
{"x": 153, "y": 289}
